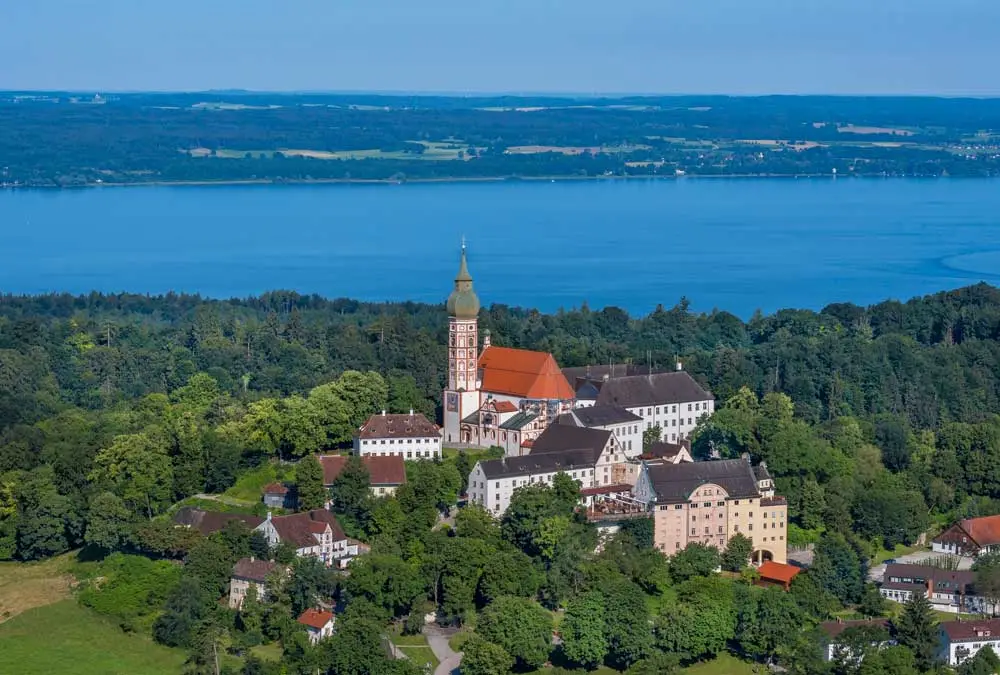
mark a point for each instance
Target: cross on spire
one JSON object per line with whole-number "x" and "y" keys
{"x": 463, "y": 242}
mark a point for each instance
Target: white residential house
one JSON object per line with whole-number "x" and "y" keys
{"x": 626, "y": 427}
{"x": 593, "y": 457}
{"x": 961, "y": 640}
{"x": 319, "y": 624}
{"x": 833, "y": 630}
{"x": 410, "y": 436}
{"x": 674, "y": 401}
{"x": 315, "y": 534}
{"x": 946, "y": 590}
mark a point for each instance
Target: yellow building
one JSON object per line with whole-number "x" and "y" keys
{"x": 710, "y": 502}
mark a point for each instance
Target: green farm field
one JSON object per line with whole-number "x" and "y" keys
{"x": 64, "y": 637}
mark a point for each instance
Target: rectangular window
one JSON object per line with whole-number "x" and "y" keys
{"x": 694, "y": 532}
{"x": 720, "y": 503}
{"x": 706, "y": 530}
{"x": 498, "y": 485}
{"x": 673, "y": 422}
{"x": 677, "y": 545}
{"x": 707, "y": 504}
{"x": 677, "y": 507}
{"x": 657, "y": 410}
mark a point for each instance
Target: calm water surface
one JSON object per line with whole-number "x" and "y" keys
{"x": 738, "y": 244}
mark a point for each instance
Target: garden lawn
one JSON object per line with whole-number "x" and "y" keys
{"x": 250, "y": 486}
{"x": 416, "y": 648}
{"x": 64, "y": 637}
{"x": 724, "y": 664}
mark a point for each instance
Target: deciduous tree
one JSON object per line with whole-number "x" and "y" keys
{"x": 309, "y": 484}
{"x": 109, "y": 522}
{"x": 521, "y": 627}
{"x": 583, "y": 630}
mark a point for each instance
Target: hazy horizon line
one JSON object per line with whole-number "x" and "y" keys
{"x": 490, "y": 94}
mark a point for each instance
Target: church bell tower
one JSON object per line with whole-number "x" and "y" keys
{"x": 461, "y": 398}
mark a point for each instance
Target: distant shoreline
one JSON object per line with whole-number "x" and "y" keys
{"x": 457, "y": 179}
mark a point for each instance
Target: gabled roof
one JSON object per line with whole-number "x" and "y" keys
{"x": 648, "y": 390}
{"x": 275, "y": 489}
{"x": 523, "y": 373}
{"x": 586, "y": 390}
{"x": 975, "y": 630}
{"x": 299, "y": 529}
{"x": 253, "y": 570}
{"x": 414, "y": 425}
{"x": 597, "y": 416}
{"x": 559, "y": 437}
{"x": 780, "y": 572}
{"x": 518, "y": 421}
{"x": 665, "y": 450}
{"x": 984, "y": 531}
{"x": 381, "y": 470}
{"x": 504, "y": 407}
{"x": 548, "y": 462}
{"x": 834, "y": 628}
{"x": 208, "y": 522}
{"x": 315, "y": 618}
{"x": 674, "y": 483}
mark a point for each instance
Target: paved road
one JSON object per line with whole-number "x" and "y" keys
{"x": 437, "y": 639}
{"x": 877, "y": 572}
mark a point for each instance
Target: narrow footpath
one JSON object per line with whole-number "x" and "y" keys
{"x": 437, "y": 640}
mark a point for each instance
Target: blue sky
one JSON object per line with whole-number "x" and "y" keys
{"x": 641, "y": 46}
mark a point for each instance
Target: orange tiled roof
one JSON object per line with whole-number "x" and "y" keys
{"x": 524, "y": 373}
{"x": 315, "y": 618}
{"x": 773, "y": 571}
{"x": 984, "y": 531}
{"x": 504, "y": 407}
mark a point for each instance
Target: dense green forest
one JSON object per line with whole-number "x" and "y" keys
{"x": 71, "y": 139}
{"x": 877, "y": 422}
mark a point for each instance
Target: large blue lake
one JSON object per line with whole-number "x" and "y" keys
{"x": 737, "y": 244}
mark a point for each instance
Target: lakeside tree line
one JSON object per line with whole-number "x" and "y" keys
{"x": 46, "y": 140}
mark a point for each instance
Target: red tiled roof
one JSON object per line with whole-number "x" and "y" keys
{"x": 984, "y": 531}
{"x": 835, "y": 628}
{"x": 275, "y": 489}
{"x": 399, "y": 426}
{"x": 969, "y": 631}
{"x": 381, "y": 470}
{"x": 773, "y": 571}
{"x": 299, "y": 528}
{"x": 315, "y": 618}
{"x": 504, "y": 407}
{"x": 208, "y": 522}
{"x": 519, "y": 372}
